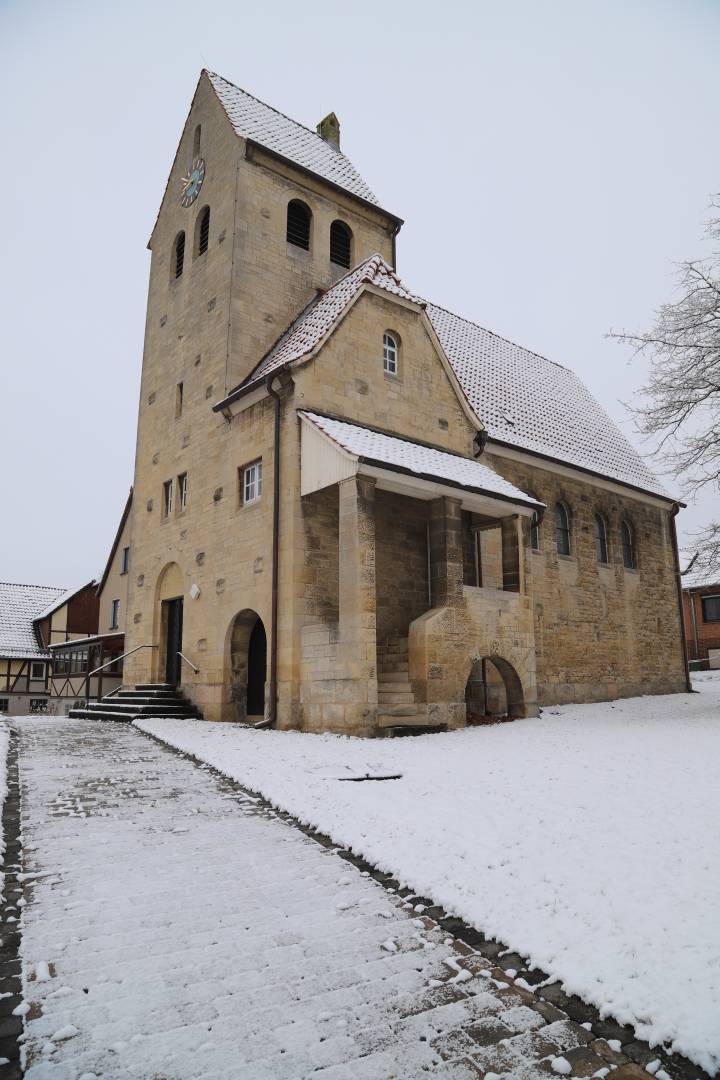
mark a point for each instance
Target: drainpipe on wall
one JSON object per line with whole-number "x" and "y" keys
{"x": 676, "y": 558}
{"x": 271, "y": 718}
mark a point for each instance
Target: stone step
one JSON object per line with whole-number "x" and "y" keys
{"x": 391, "y": 679}
{"x": 410, "y": 719}
{"x": 147, "y": 695}
{"x": 391, "y": 666}
{"x": 99, "y": 714}
{"x": 396, "y": 697}
{"x": 159, "y": 708}
{"x": 155, "y": 686}
{"x": 410, "y": 709}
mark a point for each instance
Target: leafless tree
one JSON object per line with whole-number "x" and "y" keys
{"x": 680, "y": 404}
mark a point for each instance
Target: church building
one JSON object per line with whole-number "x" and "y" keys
{"x": 353, "y": 510}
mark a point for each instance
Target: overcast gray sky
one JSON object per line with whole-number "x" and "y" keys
{"x": 550, "y": 159}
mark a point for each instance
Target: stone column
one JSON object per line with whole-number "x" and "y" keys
{"x": 511, "y": 548}
{"x": 357, "y": 605}
{"x": 446, "y": 553}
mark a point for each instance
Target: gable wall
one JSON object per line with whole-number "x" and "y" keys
{"x": 116, "y": 584}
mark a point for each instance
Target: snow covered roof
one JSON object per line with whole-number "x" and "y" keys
{"x": 532, "y": 403}
{"x": 698, "y": 577}
{"x": 398, "y": 454}
{"x": 319, "y": 317}
{"x": 521, "y": 398}
{"x": 20, "y": 605}
{"x": 252, "y": 119}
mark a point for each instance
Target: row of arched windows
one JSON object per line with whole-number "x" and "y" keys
{"x": 563, "y": 537}
{"x": 299, "y": 230}
{"x": 202, "y": 241}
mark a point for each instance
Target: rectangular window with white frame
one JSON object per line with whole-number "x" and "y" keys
{"x": 167, "y": 504}
{"x": 251, "y": 483}
{"x": 114, "y": 614}
{"x": 182, "y": 481}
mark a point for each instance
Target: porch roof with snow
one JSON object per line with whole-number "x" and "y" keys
{"x": 334, "y": 449}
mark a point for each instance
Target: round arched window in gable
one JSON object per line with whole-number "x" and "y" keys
{"x": 562, "y": 529}
{"x": 299, "y": 217}
{"x": 391, "y": 352}
{"x": 627, "y": 540}
{"x": 340, "y": 244}
{"x": 601, "y": 545}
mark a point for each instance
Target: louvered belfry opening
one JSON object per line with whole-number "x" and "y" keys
{"x": 179, "y": 255}
{"x": 204, "y": 231}
{"x": 298, "y": 224}
{"x": 340, "y": 244}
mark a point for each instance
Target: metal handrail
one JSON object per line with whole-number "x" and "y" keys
{"x": 189, "y": 662}
{"x": 112, "y": 692}
{"x": 115, "y": 659}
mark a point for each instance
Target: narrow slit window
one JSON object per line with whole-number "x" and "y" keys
{"x": 182, "y": 491}
{"x": 298, "y": 224}
{"x": 179, "y": 393}
{"x": 125, "y": 564}
{"x": 562, "y": 529}
{"x": 203, "y": 231}
{"x": 167, "y": 498}
{"x": 534, "y": 533}
{"x": 115, "y": 615}
{"x": 601, "y": 545}
{"x": 628, "y": 546}
{"x": 340, "y": 244}
{"x": 179, "y": 260}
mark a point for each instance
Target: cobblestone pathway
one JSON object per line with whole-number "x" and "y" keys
{"x": 174, "y": 928}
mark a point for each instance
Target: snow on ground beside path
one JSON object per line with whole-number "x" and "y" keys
{"x": 586, "y": 839}
{"x": 4, "y": 746}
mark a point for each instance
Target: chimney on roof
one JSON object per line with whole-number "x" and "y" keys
{"x": 329, "y": 130}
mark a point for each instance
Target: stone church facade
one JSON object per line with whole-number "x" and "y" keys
{"x": 355, "y": 511}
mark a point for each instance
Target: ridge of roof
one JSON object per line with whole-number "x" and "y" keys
{"x": 28, "y": 585}
{"x": 255, "y": 120}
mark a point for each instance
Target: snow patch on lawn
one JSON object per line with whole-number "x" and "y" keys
{"x": 586, "y": 839}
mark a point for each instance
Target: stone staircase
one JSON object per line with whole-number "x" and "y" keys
{"x": 398, "y": 712}
{"x": 146, "y": 700}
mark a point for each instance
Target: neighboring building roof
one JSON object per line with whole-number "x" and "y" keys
{"x": 698, "y": 577}
{"x": 532, "y": 403}
{"x": 65, "y": 597}
{"x": 20, "y": 605}
{"x": 116, "y": 541}
{"x": 378, "y": 448}
{"x": 522, "y": 399}
{"x": 253, "y": 119}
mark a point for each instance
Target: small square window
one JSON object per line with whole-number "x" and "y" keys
{"x": 125, "y": 560}
{"x": 114, "y": 614}
{"x": 37, "y": 670}
{"x": 251, "y": 483}
{"x": 182, "y": 491}
{"x": 167, "y": 498}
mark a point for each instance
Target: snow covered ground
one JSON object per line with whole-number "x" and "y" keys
{"x": 4, "y": 744}
{"x": 586, "y": 839}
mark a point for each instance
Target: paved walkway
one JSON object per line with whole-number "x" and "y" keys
{"x": 179, "y": 929}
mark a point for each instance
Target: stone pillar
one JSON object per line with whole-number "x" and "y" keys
{"x": 446, "y": 553}
{"x": 357, "y": 645}
{"x": 511, "y": 548}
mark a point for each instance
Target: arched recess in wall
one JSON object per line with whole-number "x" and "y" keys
{"x": 493, "y": 691}
{"x": 169, "y": 588}
{"x": 246, "y": 667}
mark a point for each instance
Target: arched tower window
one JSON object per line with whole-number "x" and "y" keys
{"x": 340, "y": 244}
{"x": 601, "y": 546}
{"x": 178, "y": 260}
{"x": 628, "y": 545}
{"x": 202, "y": 231}
{"x": 196, "y": 141}
{"x": 299, "y": 217}
{"x": 562, "y": 529}
{"x": 391, "y": 351}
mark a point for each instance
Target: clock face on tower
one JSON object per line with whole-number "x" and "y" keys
{"x": 192, "y": 182}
